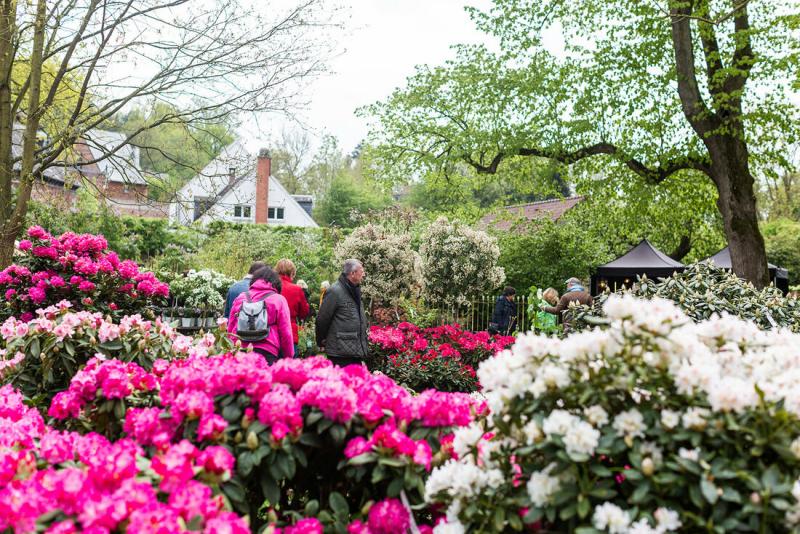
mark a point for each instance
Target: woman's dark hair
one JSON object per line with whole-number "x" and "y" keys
{"x": 268, "y": 275}
{"x": 508, "y": 291}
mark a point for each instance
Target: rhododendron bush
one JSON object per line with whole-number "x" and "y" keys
{"x": 41, "y": 356}
{"x": 703, "y": 290}
{"x": 64, "y": 482}
{"x": 77, "y": 268}
{"x": 443, "y": 357}
{"x": 311, "y": 441}
{"x": 654, "y": 424}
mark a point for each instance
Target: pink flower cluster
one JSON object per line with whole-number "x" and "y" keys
{"x": 407, "y": 343}
{"x": 450, "y": 340}
{"x": 78, "y": 268}
{"x": 57, "y": 323}
{"x": 113, "y": 378}
{"x": 188, "y": 387}
{"x": 100, "y": 486}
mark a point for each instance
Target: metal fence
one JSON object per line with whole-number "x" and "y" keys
{"x": 476, "y": 314}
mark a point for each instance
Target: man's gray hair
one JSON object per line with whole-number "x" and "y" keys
{"x": 350, "y": 266}
{"x": 573, "y": 282}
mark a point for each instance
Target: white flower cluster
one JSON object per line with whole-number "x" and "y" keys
{"x": 389, "y": 260}
{"x": 201, "y": 289}
{"x": 458, "y": 262}
{"x": 722, "y": 362}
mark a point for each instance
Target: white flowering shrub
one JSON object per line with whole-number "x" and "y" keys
{"x": 390, "y": 262}
{"x": 458, "y": 263}
{"x": 201, "y": 289}
{"x": 655, "y": 424}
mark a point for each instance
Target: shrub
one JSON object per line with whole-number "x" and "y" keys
{"x": 545, "y": 253}
{"x": 458, "y": 263}
{"x": 311, "y": 440}
{"x": 391, "y": 265}
{"x": 80, "y": 269}
{"x": 232, "y": 248}
{"x": 62, "y": 482}
{"x": 41, "y": 356}
{"x": 654, "y": 424}
{"x": 703, "y": 291}
{"x": 443, "y": 357}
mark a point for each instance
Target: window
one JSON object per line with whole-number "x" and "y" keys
{"x": 241, "y": 212}
{"x": 275, "y": 214}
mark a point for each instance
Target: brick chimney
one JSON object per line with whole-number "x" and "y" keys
{"x": 263, "y": 170}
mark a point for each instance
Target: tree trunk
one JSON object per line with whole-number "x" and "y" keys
{"x": 730, "y": 172}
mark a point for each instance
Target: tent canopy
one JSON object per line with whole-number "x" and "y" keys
{"x": 778, "y": 275}
{"x": 643, "y": 259}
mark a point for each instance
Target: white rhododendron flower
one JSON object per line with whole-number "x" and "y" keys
{"x": 668, "y": 520}
{"x": 581, "y": 438}
{"x": 732, "y": 394}
{"x": 532, "y": 432}
{"x": 630, "y": 423}
{"x": 465, "y": 438}
{"x": 596, "y": 415}
{"x": 610, "y": 517}
{"x": 642, "y": 527}
{"x": 558, "y": 422}
{"x": 689, "y": 454}
{"x": 695, "y": 418}
{"x": 670, "y": 419}
{"x": 542, "y": 486}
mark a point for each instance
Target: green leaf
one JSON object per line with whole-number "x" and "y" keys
{"x": 639, "y": 495}
{"x": 584, "y": 507}
{"x": 395, "y": 487}
{"x": 533, "y": 515}
{"x": 312, "y": 508}
{"x": 339, "y": 505}
{"x": 499, "y": 518}
{"x": 270, "y": 488}
{"x": 709, "y": 490}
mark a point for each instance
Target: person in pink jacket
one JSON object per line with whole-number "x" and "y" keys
{"x": 266, "y": 285}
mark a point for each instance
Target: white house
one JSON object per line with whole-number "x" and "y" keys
{"x": 236, "y": 187}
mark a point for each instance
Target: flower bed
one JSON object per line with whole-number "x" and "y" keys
{"x": 41, "y": 356}
{"x": 442, "y": 357}
{"x": 652, "y": 425}
{"x": 77, "y": 268}
{"x": 311, "y": 441}
{"x": 63, "y": 482}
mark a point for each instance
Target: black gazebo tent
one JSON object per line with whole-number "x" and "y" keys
{"x": 643, "y": 259}
{"x": 777, "y": 275}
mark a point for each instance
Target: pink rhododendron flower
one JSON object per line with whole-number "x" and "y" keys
{"x": 388, "y": 517}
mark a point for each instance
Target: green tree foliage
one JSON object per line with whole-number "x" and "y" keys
{"x": 544, "y": 253}
{"x": 782, "y": 237}
{"x": 345, "y": 200}
{"x": 231, "y": 249}
{"x": 464, "y": 193}
{"x": 659, "y": 89}
{"x": 176, "y": 149}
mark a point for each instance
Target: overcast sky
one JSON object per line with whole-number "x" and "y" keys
{"x": 384, "y": 40}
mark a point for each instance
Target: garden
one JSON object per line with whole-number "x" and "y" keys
{"x": 671, "y": 407}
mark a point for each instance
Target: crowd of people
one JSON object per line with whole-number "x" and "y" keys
{"x": 266, "y": 307}
{"x": 553, "y": 309}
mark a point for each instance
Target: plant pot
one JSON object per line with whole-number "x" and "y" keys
{"x": 211, "y": 322}
{"x": 188, "y": 322}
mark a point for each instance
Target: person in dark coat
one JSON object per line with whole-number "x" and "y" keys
{"x": 575, "y": 293}
{"x": 341, "y": 328}
{"x": 241, "y": 286}
{"x": 504, "y": 318}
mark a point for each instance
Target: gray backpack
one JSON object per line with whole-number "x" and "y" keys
{"x": 253, "y": 320}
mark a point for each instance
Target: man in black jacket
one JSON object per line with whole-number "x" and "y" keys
{"x": 341, "y": 324}
{"x": 504, "y": 318}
